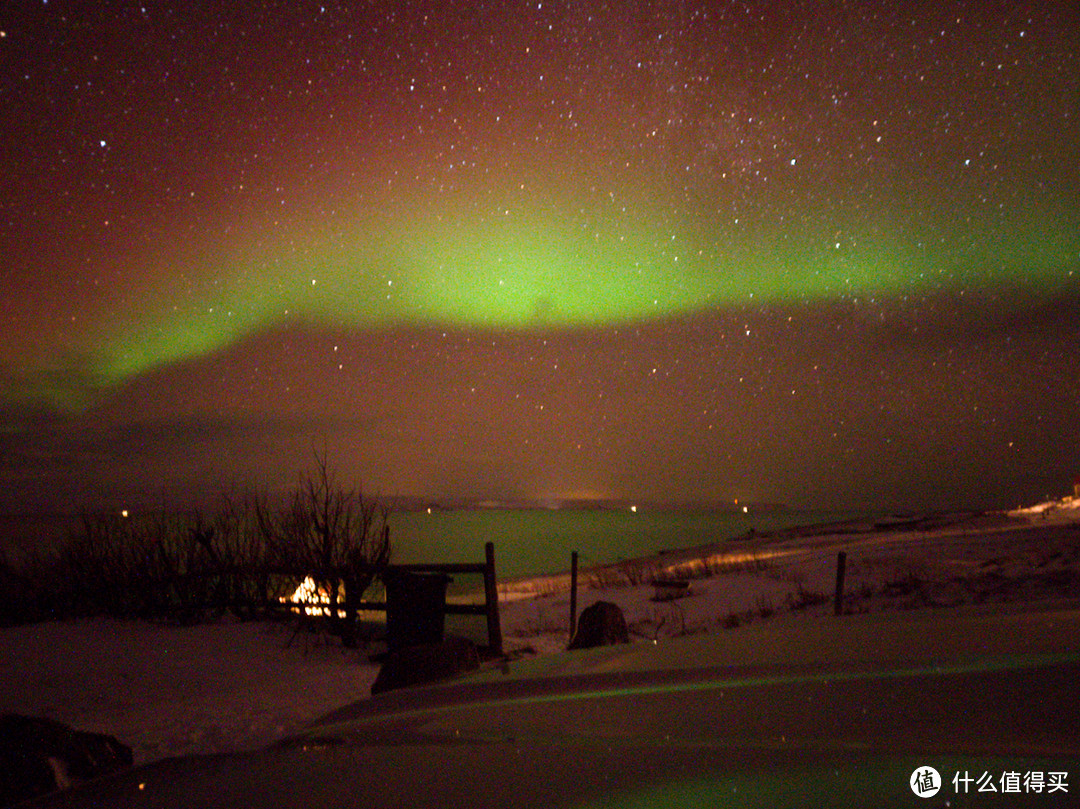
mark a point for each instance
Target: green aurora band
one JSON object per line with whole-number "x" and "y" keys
{"x": 534, "y": 271}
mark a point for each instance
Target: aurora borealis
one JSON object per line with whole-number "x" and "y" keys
{"x": 816, "y": 253}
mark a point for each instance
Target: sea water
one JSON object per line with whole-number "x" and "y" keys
{"x": 532, "y": 542}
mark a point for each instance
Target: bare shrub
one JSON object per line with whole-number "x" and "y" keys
{"x": 186, "y": 567}
{"x": 323, "y": 530}
{"x": 624, "y": 574}
{"x": 803, "y": 599}
{"x": 765, "y": 607}
{"x": 731, "y": 621}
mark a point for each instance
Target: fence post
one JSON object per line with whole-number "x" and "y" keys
{"x": 573, "y": 591}
{"x": 491, "y": 600}
{"x": 348, "y": 629}
{"x": 838, "y": 596}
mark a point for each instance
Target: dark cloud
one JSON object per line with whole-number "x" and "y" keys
{"x": 973, "y": 316}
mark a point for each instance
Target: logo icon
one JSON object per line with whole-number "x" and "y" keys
{"x": 925, "y": 782}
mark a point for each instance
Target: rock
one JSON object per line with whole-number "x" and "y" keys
{"x": 38, "y": 756}
{"x": 601, "y": 624}
{"x": 426, "y": 663}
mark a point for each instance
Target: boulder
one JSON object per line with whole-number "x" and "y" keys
{"x": 426, "y": 663}
{"x": 601, "y": 624}
{"x": 38, "y": 756}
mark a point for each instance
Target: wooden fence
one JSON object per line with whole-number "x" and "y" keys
{"x": 489, "y": 609}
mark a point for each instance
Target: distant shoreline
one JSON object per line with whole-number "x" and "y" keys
{"x": 758, "y": 545}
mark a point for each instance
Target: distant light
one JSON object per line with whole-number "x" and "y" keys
{"x": 429, "y": 510}
{"x": 745, "y": 510}
{"x": 124, "y": 513}
{"x": 633, "y": 509}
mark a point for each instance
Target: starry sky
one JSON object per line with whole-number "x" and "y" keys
{"x": 825, "y": 254}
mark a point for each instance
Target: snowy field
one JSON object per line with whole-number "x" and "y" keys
{"x": 170, "y": 691}
{"x": 1027, "y": 556}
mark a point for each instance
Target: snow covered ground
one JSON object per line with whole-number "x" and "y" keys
{"x": 906, "y": 564}
{"x": 170, "y": 691}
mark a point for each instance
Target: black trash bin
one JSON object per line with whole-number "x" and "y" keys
{"x": 415, "y": 608}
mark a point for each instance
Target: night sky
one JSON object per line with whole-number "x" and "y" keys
{"x": 825, "y": 254}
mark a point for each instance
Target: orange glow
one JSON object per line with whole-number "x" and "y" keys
{"x": 313, "y": 600}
